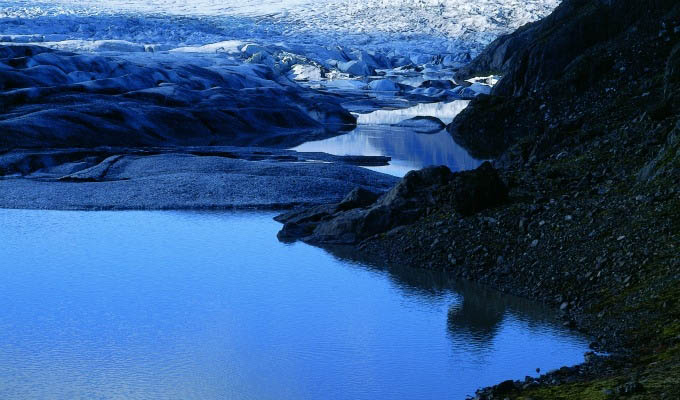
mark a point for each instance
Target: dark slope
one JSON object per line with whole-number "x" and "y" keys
{"x": 561, "y": 74}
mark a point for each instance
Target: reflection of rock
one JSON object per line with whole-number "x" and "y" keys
{"x": 468, "y": 192}
{"x": 477, "y": 314}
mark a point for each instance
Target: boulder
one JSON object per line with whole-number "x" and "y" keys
{"x": 359, "y": 216}
{"x": 359, "y": 197}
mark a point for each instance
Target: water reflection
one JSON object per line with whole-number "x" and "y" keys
{"x": 210, "y": 305}
{"x": 475, "y": 317}
{"x": 409, "y": 150}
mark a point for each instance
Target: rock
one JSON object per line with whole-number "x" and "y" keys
{"x": 423, "y": 124}
{"x": 357, "y": 198}
{"x": 561, "y": 53}
{"x": 523, "y": 224}
{"x": 503, "y": 388}
{"x": 477, "y": 190}
{"x": 668, "y": 158}
{"x": 301, "y": 223}
{"x": 467, "y": 192}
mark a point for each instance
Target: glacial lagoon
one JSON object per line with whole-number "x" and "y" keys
{"x": 209, "y": 305}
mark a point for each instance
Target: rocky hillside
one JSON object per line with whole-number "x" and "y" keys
{"x": 584, "y": 128}
{"x": 563, "y": 73}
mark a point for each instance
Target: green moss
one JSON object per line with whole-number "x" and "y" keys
{"x": 580, "y": 391}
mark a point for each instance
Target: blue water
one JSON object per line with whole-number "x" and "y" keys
{"x": 188, "y": 305}
{"x": 409, "y": 150}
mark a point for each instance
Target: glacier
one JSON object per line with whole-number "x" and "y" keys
{"x": 422, "y": 31}
{"x": 246, "y": 73}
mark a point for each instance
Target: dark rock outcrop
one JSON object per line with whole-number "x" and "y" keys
{"x": 538, "y": 53}
{"x": 357, "y": 217}
{"x": 359, "y": 197}
{"x": 576, "y": 53}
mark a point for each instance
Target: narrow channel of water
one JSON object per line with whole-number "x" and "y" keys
{"x": 188, "y": 305}
{"x": 377, "y": 135}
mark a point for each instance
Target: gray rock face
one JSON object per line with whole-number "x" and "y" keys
{"x": 60, "y": 99}
{"x": 350, "y": 222}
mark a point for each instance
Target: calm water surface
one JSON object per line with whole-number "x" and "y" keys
{"x": 376, "y": 135}
{"x": 409, "y": 150}
{"x": 182, "y": 305}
